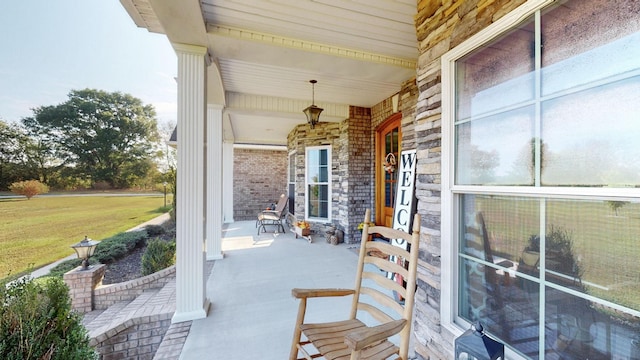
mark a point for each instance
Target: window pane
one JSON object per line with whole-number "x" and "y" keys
{"x": 313, "y": 162}
{"x": 506, "y": 305}
{"x": 318, "y": 201}
{"x": 323, "y": 201}
{"x": 496, "y": 76}
{"x": 590, "y": 138}
{"x": 576, "y": 328}
{"x": 323, "y": 171}
{"x": 292, "y": 199}
{"x": 496, "y": 229}
{"x": 324, "y": 159}
{"x": 314, "y": 202}
{"x": 496, "y": 149}
{"x": 594, "y": 247}
{"x": 581, "y": 46}
{"x": 389, "y": 194}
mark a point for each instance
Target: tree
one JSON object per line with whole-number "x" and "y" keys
{"x": 107, "y": 137}
{"x": 14, "y": 164}
{"x": 615, "y": 205}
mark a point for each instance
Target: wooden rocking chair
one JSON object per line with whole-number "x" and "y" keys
{"x": 352, "y": 339}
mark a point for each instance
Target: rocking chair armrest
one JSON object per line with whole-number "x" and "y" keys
{"x": 311, "y": 293}
{"x": 360, "y": 339}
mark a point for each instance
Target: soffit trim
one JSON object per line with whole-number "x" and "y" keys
{"x": 270, "y": 39}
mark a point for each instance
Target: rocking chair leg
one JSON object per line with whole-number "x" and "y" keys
{"x": 297, "y": 333}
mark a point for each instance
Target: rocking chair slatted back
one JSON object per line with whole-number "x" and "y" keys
{"x": 375, "y": 300}
{"x": 368, "y": 252}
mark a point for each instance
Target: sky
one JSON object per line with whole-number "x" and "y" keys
{"x": 48, "y": 48}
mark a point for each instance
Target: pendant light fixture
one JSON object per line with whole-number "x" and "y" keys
{"x": 313, "y": 112}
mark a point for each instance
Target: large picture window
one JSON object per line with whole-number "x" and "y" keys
{"x": 544, "y": 182}
{"x": 318, "y": 183}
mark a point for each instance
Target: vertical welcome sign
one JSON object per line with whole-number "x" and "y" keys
{"x": 405, "y": 202}
{"x": 404, "y": 205}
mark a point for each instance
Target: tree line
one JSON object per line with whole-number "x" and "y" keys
{"x": 95, "y": 139}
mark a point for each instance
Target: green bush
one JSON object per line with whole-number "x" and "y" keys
{"x": 155, "y": 230}
{"x": 119, "y": 245}
{"x": 36, "y": 322}
{"x": 159, "y": 255}
{"x": 67, "y": 266}
{"x": 29, "y": 188}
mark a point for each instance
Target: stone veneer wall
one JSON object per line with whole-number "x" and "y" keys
{"x": 301, "y": 137}
{"x": 440, "y": 26}
{"x": 350, "y": 142}
{"x": 259, "y": 178}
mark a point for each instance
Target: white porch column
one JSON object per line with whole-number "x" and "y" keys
{"x": 213, "y": 229}
{"x": 191, "y": 301}
{"x": 227, "y": 182}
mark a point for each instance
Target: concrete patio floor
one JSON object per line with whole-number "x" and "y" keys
{"x": 252, "y": 311}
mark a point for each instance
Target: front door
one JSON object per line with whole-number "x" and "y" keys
{"x": 388, "y": 138}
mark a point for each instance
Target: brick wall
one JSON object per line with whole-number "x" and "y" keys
{"x": 81, "y": 285}
{"x": 440, "y": 26}
{"x": 259, "y": 177}
{"x": 107, "y": 295}
{"x": 357, "y": 176}
{"x": 134, "y": 340}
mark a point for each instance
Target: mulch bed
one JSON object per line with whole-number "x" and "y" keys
{"x": 125, "y": 269}
{"x": 130, "y": 266}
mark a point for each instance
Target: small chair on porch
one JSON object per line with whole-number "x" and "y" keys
{"x": 374, "y": 294}
{"x": 274, "y": 217}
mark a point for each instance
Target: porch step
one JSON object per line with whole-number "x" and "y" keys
{"x": 133, "y": 329}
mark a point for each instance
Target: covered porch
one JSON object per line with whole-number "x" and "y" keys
{"x": 253, "y": 313}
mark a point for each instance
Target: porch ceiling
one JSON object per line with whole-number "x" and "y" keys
{"x": 266, "y": 51}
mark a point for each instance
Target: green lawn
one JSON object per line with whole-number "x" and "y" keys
{"x": 39, "y": 231}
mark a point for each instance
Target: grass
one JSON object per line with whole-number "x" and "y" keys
{"x": 40, "y": 231}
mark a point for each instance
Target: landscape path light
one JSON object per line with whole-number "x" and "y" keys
{"x": 85, "y": 249}
{"x": 165, "y": 193}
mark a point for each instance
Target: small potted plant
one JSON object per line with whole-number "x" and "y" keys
{"x": 302, "y": 228}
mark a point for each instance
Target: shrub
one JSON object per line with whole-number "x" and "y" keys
{"x": 119, "y": 245}
{"x": 559, "y": 245}
{"x": 155, "y": 230}
{"x": 36, "y": 322}
{"x": 159, "y": 255}
{"x": 29, "y": 188}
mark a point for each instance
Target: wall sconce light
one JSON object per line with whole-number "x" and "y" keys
{"x": 313, "y": 112}
{"x": 85, "y": 249}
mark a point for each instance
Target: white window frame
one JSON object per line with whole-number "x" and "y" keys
{"x": 328, "y": 183}
{"x": 450, "y": 191}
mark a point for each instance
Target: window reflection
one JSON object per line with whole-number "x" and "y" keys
{"x": 588, "y": 251}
